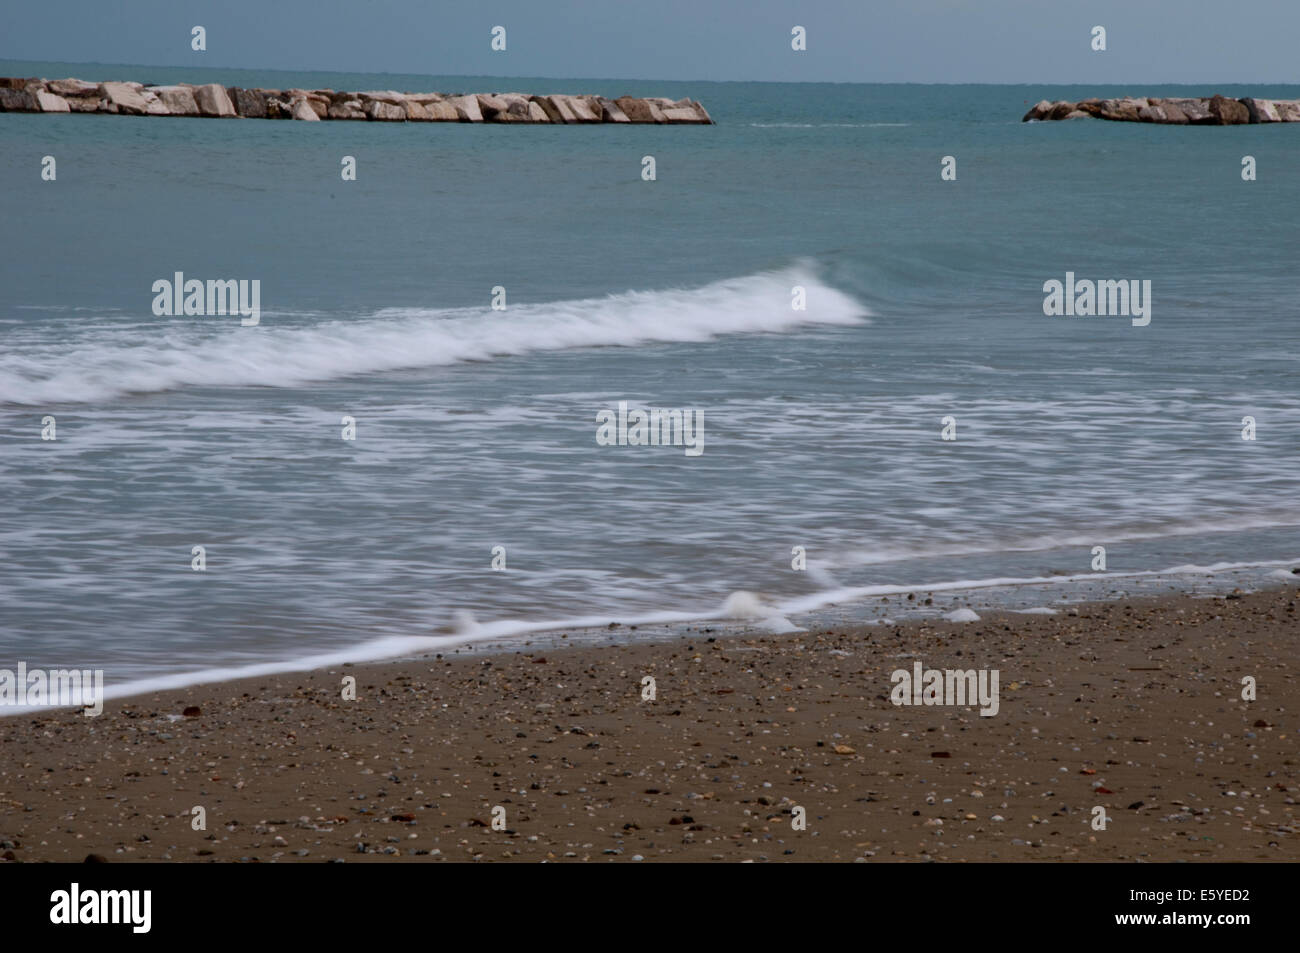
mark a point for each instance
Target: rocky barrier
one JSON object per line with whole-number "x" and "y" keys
{"x": 313, "y": 105}
{"x": 1214, "y": 111}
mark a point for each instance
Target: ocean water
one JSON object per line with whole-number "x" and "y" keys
{"x": 476, "y": 428}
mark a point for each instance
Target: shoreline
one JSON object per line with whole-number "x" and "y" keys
{"x": 742, "y": 614}
{"x": 1128, "y": 705}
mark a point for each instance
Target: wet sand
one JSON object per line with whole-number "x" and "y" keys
{"x": 1132, "y": 706}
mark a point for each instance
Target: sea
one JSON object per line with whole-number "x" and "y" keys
{"x": 402, "y": 455}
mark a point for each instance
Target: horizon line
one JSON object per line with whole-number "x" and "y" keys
{"x": 627, "y": 79}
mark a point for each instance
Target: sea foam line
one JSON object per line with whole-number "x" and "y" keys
{"x": 745, "y": 608}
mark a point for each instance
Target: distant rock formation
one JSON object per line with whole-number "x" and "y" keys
{"x": 1212, "y": 111}
{"x": 312, "y": 105}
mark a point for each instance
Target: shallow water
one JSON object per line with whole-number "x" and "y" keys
{"x": 477, "y": 428}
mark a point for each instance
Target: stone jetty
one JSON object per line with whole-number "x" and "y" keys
{"x": 1211, "y": 111}
{"x": 215, "y": 101}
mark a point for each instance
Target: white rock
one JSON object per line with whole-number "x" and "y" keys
{"x": 213, "y": 100}
{"x": 50, "y": 103}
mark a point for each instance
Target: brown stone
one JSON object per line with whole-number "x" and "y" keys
{"x": 72, "y": 87}
{"x": 1288, "y": 110}
{"x": 639, "y": 110}
{"x": 442, "y": 112}
{"x": 347, "y": 109}
{"x": 380, "y": 111}
{"x": 415, "y": 112}
{"x": 1228, "y": 112}
{"x": 610, "y": 111}
{"x": 249, "y": 103}
{"x": 126, "y": 99}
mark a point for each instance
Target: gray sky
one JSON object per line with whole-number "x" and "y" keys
{"x": 931, "y": 41}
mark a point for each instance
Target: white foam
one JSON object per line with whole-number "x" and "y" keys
{"x": 741, "y": 605}
{"x": 1037, "y": 610}
{"x": 962, "y": 615}
{"x": 749, "y": 607}
{"x": 216, "y": 351}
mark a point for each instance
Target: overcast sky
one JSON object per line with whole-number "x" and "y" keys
{"x": 928, "y": 41}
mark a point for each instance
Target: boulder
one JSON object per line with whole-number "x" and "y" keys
{"x": 122, "y": 96}
{"x": 72, "y": 87}
{"x": 1091, "y": 106}
{"x": 491, "y": 106}
{"x": 424, "y": 99}
{"x": 83, "y": 104}
{"x": 278, "y": 104}
{"x": 154, "y": 105}
{"x": 687, "y": 114}
{"x": 553, "y": 111}
{"x": 442, "y": 112}
{"x": 1079, "y": 114}
{"x": 467, "y": 108}
{"x": 415, "y": 112}
{"x": 380, "y": 111}
{"x": 1122, "y": 110}
{"x": 639, "y": 110}
{"x": 1288, "y": 110}
{"x": 609, "y": 111}
{"x": 50, "y": 103}
{"x": 1261, "y": 110}
{"x": 571, "y": 109}
{"x": 1196, "y": 110}
{"x": 521, "y": 108}
{"x": 1228, "y": 112}
{"x": 390, "y": 96}
{"x": 1038, "y": 111}
{"x": 302, "y": 110}
{"x": 347, "y": 109}
{"x": 1171, "y": 111}
{"x": 212, "y": 100}
{"x": 1151, "y": 113}
{"x": 248, "y": 103}
{"x": 585, "y": 108}
{"x": 320, "y": 104}
{"x": 1060, "y": 110}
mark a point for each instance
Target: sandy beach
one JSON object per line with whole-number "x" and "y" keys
{"x": 1132, "y": 706}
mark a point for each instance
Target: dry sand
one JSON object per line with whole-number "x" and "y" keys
{"x": 1133, "y": 706}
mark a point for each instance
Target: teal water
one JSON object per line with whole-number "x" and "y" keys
{"x": 476, "y": 428}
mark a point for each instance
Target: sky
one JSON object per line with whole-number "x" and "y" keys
{"x": 922, "y": 41}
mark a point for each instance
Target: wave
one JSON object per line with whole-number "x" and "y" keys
{"x": 140, "y": 360}
{"x": 1047, "y": 542}
{"x": 740, "y": 607}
